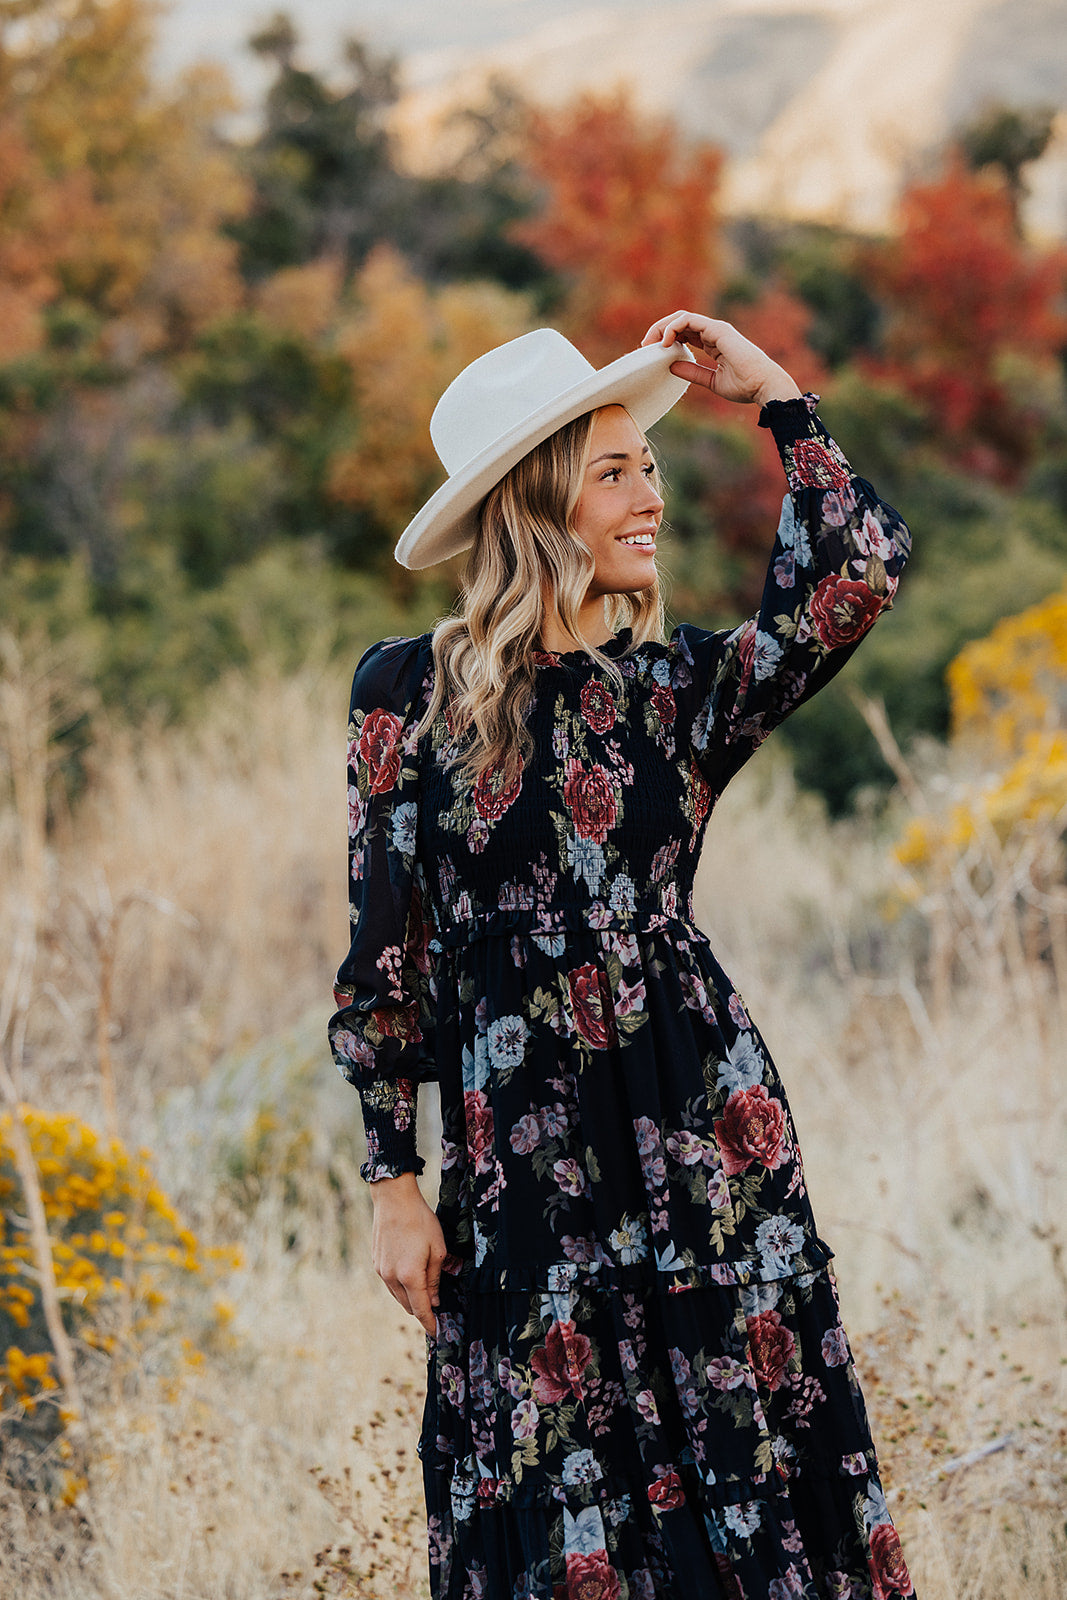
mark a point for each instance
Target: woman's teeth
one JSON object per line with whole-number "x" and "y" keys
{"x": 640, "y": 538}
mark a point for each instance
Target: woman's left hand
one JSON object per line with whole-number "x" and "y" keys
{"x": 742, "y": 371}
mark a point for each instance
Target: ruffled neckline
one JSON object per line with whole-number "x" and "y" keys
{"x": 611, "y": 647}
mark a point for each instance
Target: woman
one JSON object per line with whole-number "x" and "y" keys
{"x": 638, "y": 1380}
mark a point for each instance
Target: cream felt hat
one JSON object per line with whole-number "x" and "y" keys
{"x": 508, "y": 401}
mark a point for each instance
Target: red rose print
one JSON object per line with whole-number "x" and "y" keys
{"x": 701, "y": 794}
{"x": 752, "y": 1128}
{"x": 772, "y": 1345}
{"x": 594, "y": 1010}
{"x": 816, "y": 467}
{"x": 663, "y": 700}
{"x": 598, "y": 706}
{"x": 417, "y": 943}
{"x": 590, "y": 797}
{"x": 492, "y": 795}
{"x": 730, "y": 1587}
{"x": 666, "y": 1490}
{"x": 888, "y": 1567}
{"x": 559, "y": 1364}
{"x": 842, "y": 609}
{"x": 479, "y": 1129}
{"x": 746, "y": 648}
{"x": 591, "y": 1577}
{"x": 399, "y": 1022}
{"x": 379, "y": 745}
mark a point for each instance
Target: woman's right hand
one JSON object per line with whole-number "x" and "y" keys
{"x": 407, "y": 1246}
{"x": 742, "y": 371}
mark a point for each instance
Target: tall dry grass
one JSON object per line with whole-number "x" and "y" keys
{"x": 189, "y": 905}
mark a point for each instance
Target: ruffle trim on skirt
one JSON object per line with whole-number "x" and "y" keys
{"x": 667, "y": 1273}
{"x": 825, "y": 1537}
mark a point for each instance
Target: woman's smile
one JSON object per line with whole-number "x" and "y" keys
{"x": 619, "y": 504}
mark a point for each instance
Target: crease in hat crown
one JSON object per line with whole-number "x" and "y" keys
{"x": 505, "y": 403}
{"x": 499, "y": 390}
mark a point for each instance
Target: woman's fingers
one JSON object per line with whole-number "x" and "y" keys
{"x": 687, "y": 327}
{"x": 420, "y": 1306}
{"x": 415, "y": 1283}
{"x": 657, "y": 330}
{"x": 695, "y": 372}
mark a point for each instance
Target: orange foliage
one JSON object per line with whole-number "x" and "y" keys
{"x": 630, "y": 218}
{"x": 405, "y": 345}
{"x": 38, "y": 217}
{"x": 969, "y": 300}
{"x": 144, "y": 244}
{"x": 302, "y": 300}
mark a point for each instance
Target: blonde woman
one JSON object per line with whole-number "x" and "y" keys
{"x": 638, "y": 1382}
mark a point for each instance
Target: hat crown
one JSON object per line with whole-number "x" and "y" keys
{"x": 499, "y": 390}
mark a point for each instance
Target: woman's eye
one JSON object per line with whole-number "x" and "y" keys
{"x": 649, "y": 470}
{"x": 612, "y": 473}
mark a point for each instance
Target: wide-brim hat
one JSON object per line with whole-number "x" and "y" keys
{"x": 512, "y": 399}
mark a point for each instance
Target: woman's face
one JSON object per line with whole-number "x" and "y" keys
{"x": 619, "y": 509}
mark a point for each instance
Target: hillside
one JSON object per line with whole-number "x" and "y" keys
{"x": 825, "y": 107}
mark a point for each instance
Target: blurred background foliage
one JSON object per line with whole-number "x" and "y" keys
{"x": 218, "y": 361}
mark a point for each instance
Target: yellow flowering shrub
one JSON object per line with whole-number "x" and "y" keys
{"x": 1009, "y": 733}
{"x": 120, "y": 1251}
{"x": 1011, "y": 687}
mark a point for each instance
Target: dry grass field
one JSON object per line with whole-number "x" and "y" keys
{"x": 172, "y": 915}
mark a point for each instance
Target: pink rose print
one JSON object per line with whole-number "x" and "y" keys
{"x": 524, "y": 1420}
{"x": 479, "y": 1129}
{"x": 724, "y": 1373}
{"x": 645, "y": 1402}
{"x": 834, "y": 1347}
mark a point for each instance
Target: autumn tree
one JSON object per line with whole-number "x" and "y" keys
{"x": 41, "y": 217}
{"x": 975, "y": 323}
{"x": 147, "y": 248}
{"x": 629, "y": 220}
{"x": 404, "y": 345}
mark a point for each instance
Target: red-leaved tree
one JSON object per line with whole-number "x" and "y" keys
{"x": 975, "y": 317}
{"x": 629, "y": 221}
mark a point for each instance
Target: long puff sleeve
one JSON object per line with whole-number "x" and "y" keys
{"x": 381, "y": 1035}
{"x": 836, "y": 561}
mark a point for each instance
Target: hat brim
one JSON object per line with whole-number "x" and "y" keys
{"x": 641, "y": 381}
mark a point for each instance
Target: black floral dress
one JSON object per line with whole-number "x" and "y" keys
{"x": 640, "y": 1384}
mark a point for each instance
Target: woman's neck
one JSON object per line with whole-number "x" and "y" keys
{"x": 555, "y": 637}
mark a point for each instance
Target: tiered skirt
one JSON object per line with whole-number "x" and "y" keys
{"x": 598, "y": 1434}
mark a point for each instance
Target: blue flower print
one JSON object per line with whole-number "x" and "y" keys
{"x": 507, "y": 1038}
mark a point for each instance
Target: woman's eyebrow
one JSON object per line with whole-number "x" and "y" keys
{"x": 618, "y": 455}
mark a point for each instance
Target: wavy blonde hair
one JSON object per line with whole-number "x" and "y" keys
{"x": 525, "y": 548}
